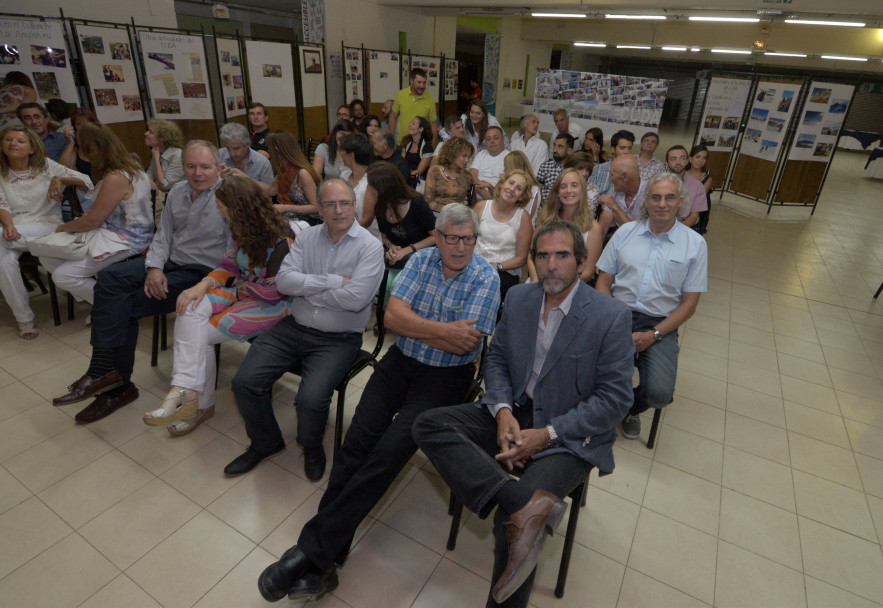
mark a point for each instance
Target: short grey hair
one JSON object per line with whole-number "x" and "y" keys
{"x": 201, "y": 143}
{"x": 524, "y": 119}
{"x": 335, "y": 180}
{"x": 388, "y": 138}
{"x": 686, "y": 203}
{"x": 234, "y": 131}
{"x": 456, "y": 214}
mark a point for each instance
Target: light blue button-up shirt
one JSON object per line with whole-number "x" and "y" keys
{"x": 653, "y": 271}
{"x": 258, "y": 166}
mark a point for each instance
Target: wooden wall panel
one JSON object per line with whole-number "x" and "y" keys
{"x": 753, "y": 176}
{"x": 315, "y": 122}
{"x": 800, "y": 182}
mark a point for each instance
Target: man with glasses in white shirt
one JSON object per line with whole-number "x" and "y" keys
{"x": 332, "y": 273}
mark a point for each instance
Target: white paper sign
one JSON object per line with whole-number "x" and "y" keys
{"x": 821, "y": 121}
{"x": 724, "y": 104}
{"x": 232, "y": 84}
{"x": 270, "y": 73}
{"x": 771, "y": 111}
{"x": 383, "y": 72}
{"x": 176, "y": 75}
{"x": 110, "y": 70}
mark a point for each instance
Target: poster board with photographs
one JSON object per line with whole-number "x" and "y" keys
{"x": 822, "y": 119}
{"x": 718, "y": 129}
{"x": 177, "y": 75}
{"x": 433, "y": 67}
{"x": 109, "y": 64}
{"x": 383, "y": 72}
{"x": 36, "y": 51}
{"x": 312, "y": 74}
{"x": 353, "y": 74}
{"x": 232, "y": 82}
{"x": 451, "y": 78}
{"x": 270, "y": 73}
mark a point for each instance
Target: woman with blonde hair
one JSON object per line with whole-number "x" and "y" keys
{"x": 296, "y": 180}
{"x": 568, "y": 202}
{"x": 165, "y": 140}
{"x": 517, "y": 159}
{"x": 450, "y": 180}
{"x": 237, "y": 300}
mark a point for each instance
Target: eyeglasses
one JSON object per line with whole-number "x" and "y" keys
{"x": 669, "y": 198}
{"x": 561, "y": 256}
{"x": 331, "y": 205}
{"x": 453, "y": 239}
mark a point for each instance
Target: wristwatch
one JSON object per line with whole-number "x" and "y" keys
{"x": 554, "y": 442}
{"x": 500, "y": 266}
{"x": 657, "y": 335}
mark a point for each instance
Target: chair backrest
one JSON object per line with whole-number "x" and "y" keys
{"x": 475, "y": 390}
{"x": 311, "y": 148}
{"x": 379, "y": 311}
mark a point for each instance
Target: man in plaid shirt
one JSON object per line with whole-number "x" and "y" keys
{"x": 444, "y": 304}
{"x": 551, "y": 169}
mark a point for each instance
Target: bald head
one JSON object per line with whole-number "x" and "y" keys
{"x": 625, "y": 174}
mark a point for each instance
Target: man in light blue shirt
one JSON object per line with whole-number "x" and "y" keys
{"x": 657, "y": 267}
{"x": 237, "y": 155}
{"x": 332, "y": 271}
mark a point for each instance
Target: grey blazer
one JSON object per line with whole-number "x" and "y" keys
{"x": 585, "y": 387}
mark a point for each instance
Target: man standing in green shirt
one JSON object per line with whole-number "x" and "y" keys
{"x": 411, "y": 102}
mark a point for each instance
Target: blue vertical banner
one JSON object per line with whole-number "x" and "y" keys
{"x": 491, "y": 71}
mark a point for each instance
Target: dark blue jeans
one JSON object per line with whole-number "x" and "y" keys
{"x": 657, "y": 367}
{"x": 461, "y": 441}
{"x": 377, "y": 446}
{"x": 321, "y": 358}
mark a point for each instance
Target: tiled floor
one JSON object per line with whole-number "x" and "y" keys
{"x": 765, "y": 487}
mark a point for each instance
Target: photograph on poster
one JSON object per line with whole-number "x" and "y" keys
{"x": 240, "y": 102}
{"x": 759, "y": 115}
{"x": 194, "y": 89}
{"x": 753, "y": 135}
{"x": 832, "y": 128}
{"x": 166, "y": 60}
{"x": 231, "y": 103}
{"x": 227, "y": 80}
{"x": 838, "y": 106}
{"x": 312, "y": 61}
{"x": 270, "y": 71}
{"x": 707, "y": 139}
{"x": 167, "y": 106}
{"x": 106, "y": 97}
{"x": 234, "y": 61}
{"x": 132, "y": 103}
{"x": 805, "y": 140}
{"x": 820, "y": 95}
{"x": 766, "y": 95}
{"x": 811, "y": 118}
{"x": 237, "y": 80}
{"x": 92, "y": 44}
{"x": 823, "y": 150}
{"x": 47, "y": 85}
{"x": 775, "y": 125}
{"x": 9, "y": 55}
{"x": 120, "y": 51}
{"x": 767, "y": 144}
{"x": 44, "y": 55}
{"x": 225, "y": 56}
{"x": 731, "y": 123}
{"x": 725, "y": 141}
{"x": 785, "y": 102}
{"x": 113, "y": 73}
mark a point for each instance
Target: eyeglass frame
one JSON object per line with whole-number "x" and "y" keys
{"x": 457, "y": 238}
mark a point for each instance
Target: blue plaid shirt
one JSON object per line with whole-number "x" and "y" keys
{"x": 474, "y": 293}
{"x": 601, "y": 177}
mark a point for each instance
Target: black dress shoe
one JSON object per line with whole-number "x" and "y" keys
{"x": 247, "y": 461}
{"x": 277, "y": 579}
{"x": 314, "y": 463}
{"x": 314, "y": 583}
{"x": 87, "y": 387}
{"x": 106, "y": 404}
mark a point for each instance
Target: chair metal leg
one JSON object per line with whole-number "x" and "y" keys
{"x": 53, "y": 300}
{"x": 154, "y": 345}
{"x": 575, "y": 499}
{"x": 879, "y": 289}
{"x": 338, "y": 422}
{"x": 585, "y": 495}
{"x": 456, "y": 508}
{"x": 653, "y": 428}
{"x": 217, "y": 363}
{"x": 163, "y": 333}
{"x": 70, "y": 307}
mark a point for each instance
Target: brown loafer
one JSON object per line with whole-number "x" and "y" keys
{"x": 87, "y": 387}
{"x": 526, "y": 531}
{"x": 105, "y": 405}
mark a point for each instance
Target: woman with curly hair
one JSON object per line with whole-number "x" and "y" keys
{"x": 165, "y": 140}
{"x": 296, "y": 180}
{"x": 450, "y": 180}
{"x": 237, "y": 300}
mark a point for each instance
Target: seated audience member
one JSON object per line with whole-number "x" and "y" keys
{"x": 430, "y": 365}
{"x": 450, "y": 180}
{"x": 568, "y": 202}
{"x": 164, "y": 138}
{"x": 259, "y": 117}
{"x": 296, "y": 180}
{"x": 385, "y": 149}
{"x": 627, "y": 195}
{"x": 504, "y": 228}
{"x": 59, "y": 113}
{"x": 369, "y": 125}
{"x": 582, "y": 162}
{"x": 30, "y": 197}
{"x": 189, "y": 242}
{"x": 476, "y": 123}
{"x": 658, "y": 268}
{"x": 238, "y": 300}
{"x": 529, "y": 141}
{"x": 237, "y": 155}
{"x": 357, "y": 110}
{"x": 59, "y": 147}
{"x": 121, "y": 217}
{"x": 417, "y": 149}
{"x": 698, "y": 170}
{"x": 327, "y": 160}
{"x": 649, "y": 164}
{"x": 558, "y": 378}
{"x": 549, "y": 170}
{"x": 565, "y": 126}
{"x": 593, "y": 144}
{"x": 519, "y": 160}
{"x": 332, "y": 272}
{"x": 344, "y": 113}
{"x": 677, "y": 162}
{"x": 487, "y": 164}
{"x": 453, "y": 127}
{"x": 621, "y": 144}
{"x": 357, "y": 155}
{"x": 384, "y": 112}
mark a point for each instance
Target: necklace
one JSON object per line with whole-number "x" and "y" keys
{"x": 445, "y": 173}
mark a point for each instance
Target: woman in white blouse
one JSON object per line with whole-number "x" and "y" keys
{"x": 30, "y": 206}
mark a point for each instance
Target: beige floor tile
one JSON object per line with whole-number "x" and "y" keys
{"x": 843, "y": 326}
{"x": 809, "y": 394}
{"x": 675, "y": 554}
{"x": 835, "y": 339}
{"x": 757, "y": 438}
{"x": 854, "y": 362}
{"x": 756, "y": 319}
{"x": 629, "y": 478}
{"x": 875, "y": 504}
{"x": 139, "y": 522}
{"x": 824, "y": 460}
{"x": 694, "y": 361}
{"x": 238, "y": 588}
{"x": 823, "y": 595}
{"x": 590, "y": 575}
{"x": 703, "y": 389}
{"x": 200, "y": 477}
{"x": 714, "y": 309}
{"x": 694, "y": 417}
{"x": 803, "y": 369}
{"x": 871, "y": 471}
{"x": 834, "y": 505}
{"x": 606, "y": 524}
{"x": 684, "y": 498}
{"x": 18, "y": 398}
{"x": 755, "y": 356}
{"x": 157, "y": 451}
{"x": 690, "y": 453}
{"x": 25, "y": 430}
{"x": 12, "y": 492}
{"x": 759, "y": 478}
{"x": 475, "y": 545}
{"x": 797, "y": 331}
{"x": 121, "y": 427}
{"x": 121, "y": 591}
{"x": 785, "y": 300}
{"x": 78, "y": 571}
{"x": 759, "y": 406}
{"x": 704, "y": 342}
{"x": 789, "y": 313}
{"x": 261, "y": 501}
{"x": 54, "y": 382}
{"x": 39, "y": 358}
{"x": 865, "y": 439}
{"x": 187, "y": 564}
{"x": 27, "y": 530}
{"x": 451, "y": 585}
{"x": 760, "y": 528}
{"x": 762, "y": 380}
{"x": 759, "y": 338}
{"x": 709, "y": 325}
{"x": 841, "y": 559}
{"x": 747, "y": 579}
{"x": 799, "y": 348}
{"x": 91, "y": 490}
{"x": 816, "y": 424}
{"x": 861, "y": 409}
{"x": 640, "y": 591}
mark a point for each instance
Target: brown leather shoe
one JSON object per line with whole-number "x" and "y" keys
{"x": 526, "y": 531}
{"x": 87, "y": 387}
{"x": 105, "y": 405}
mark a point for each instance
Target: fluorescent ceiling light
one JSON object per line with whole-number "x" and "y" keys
{"x": 809, "y": 22}
{"x": 727, "y": 19}
{"x": 784, "y": 54}
{"x": 844, "y": 58}
{"x": 694, "y": 49}
{"x": 674, "y": 48}
{"x": 561, "y": 15}
{"x": 631, "y": 46}
{"x": 657, "y": 17}
{"x": 596, "y": 44}
{"x": 731, "y": 51}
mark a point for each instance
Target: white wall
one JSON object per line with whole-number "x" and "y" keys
{"x": 513, "y": 57}
{"x": 146, "y": 12}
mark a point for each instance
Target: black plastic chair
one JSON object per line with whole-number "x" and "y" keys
{"x": 312, "y": 144}
{"x": 29, "y": 265}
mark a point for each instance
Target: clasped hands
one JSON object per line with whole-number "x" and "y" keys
{"x": 517, "y": 445}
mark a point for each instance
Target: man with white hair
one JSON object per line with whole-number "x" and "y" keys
{"x": 528, "y": 141}
{"x": 658, "y": 268}
{"x": 564, "y": 125}
{"x": 238, "y": 155}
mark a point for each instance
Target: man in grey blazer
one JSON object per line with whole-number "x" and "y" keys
{"x": 558, "y": 380}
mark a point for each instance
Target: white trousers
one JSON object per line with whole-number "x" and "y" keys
{"x": 194, "y": 366}
{"x": 77, "y": 277}
{"x": 11, "y": 285}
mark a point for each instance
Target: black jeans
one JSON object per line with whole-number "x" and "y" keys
{"x": 461, "y": 441}
{"x": 377, "y": 446}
